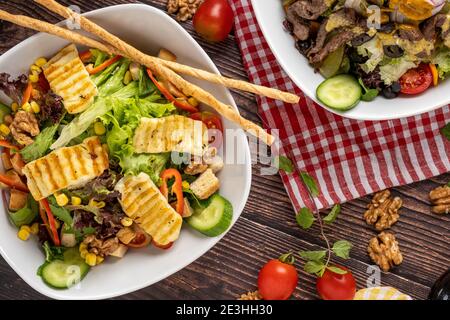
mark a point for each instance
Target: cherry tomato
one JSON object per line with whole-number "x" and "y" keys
{"x": 214, "y": 125}
{"x": 277, "y": 280}
{"x": 161, "y": 246}
{"x": 214, "y": 20}
{"x": 417, "y": 80}
{"x": 333, "y": 286}
{"x": 142, "y": 239}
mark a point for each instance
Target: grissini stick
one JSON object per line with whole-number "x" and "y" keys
{"x": 186, "y": 87}
{"x": 190, "y": 71}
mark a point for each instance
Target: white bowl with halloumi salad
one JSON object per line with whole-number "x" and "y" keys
{"x": 112, "y": 177}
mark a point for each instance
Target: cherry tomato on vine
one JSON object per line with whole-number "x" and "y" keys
{"x": 333, "y": 286}
{"x": 277, "y": 280}
{"x": 416, "y": 80}
{"x": 214, "y": 20}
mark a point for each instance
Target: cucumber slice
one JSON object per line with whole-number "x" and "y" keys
{"x": 214, "y": 219}
{"x": 341, "y": 92}
{"x": 64, "y": 274}
{"x": 332, "y": 63}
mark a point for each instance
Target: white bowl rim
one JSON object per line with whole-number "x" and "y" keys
{"x": 312, "y": 95}
{"x": 59, "y": 294}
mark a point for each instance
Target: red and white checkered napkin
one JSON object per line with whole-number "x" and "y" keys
{"x": 348, "y": 158}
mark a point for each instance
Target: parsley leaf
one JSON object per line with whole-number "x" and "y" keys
{"x": 342, "y": 248}
{"x": 317, "y": 255}
{"x": 446, "y": 131}
{"x": 310, "y": 183}
{"x": 284, "y": 163}
{"x": 333, "y": 214}
{"x": 305, "y": 218}
{"x": 337, "y": 270}
{"x": 315, "y": 267}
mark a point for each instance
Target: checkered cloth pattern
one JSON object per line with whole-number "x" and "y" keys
{"x": 348, "y": 158}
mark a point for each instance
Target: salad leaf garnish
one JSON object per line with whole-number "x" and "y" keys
{"x": 40, "y": 145}
{"x": 310, "y": 183}
{"x": 285, "y": 164}
{"x": 305, "y": 218}
{"x": 332, "y": 215}
{"x": 369, "y": 94}
{"x": 342, "y": 248}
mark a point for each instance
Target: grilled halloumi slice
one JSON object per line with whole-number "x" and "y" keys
{"x": 142, "y": 202}
{"x": 69, "y": 79}
{"x": 172, "y": 133}
{"x": 68, "y": 167}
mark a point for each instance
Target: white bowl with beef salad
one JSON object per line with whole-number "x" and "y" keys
{"x": 341, "y": 58}
{"x": 99, "y": 196}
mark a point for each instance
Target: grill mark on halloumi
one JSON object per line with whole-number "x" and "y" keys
{"x": 69, "y": 79}
{"x": 173, "y": 133}
{"x": 66, "y": 168}
{"x": 143, "y": 202}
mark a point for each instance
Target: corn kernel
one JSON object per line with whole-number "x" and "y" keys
{"x": 61, "y": 199}
{"x": 185, "y": 185}
{"x": 76, "y": 201}
{"x": 4, "y": 129}
{"x": 127, "y": 78}
{"x": 26, "y": 228}
{"x": 34, "y": 77}
{"x": 83, "y": 246}
{"x": 99, "y": 129}
{"x": 91, "y": 259}
{"x": 83, "y": 253}
{"x": 35, "y": 69}
{"x": 35, "y": 107}
{"x": 27, "y": 107}
{"x": 40, "y": 62}
{"x": 23, "y": 234}
{"x": 99, "y": 260}
{"x": 35, "y": 228}
{"x": 193, "y": 102}
{"x": 14, "y": 107}
{"x": 126, "y": 222}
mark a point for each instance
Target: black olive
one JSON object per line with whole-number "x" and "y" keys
{"x": 393, "y": 51}
{"x": 395, "y": 86}
{"x": 361, "y": 39}
{"x": 387, "y": 27}
{"x": 303, "y": 46}
{"x": 388, "y": 93}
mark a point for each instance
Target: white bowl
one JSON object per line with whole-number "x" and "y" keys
{"x": 270, "y": 16}
{"x": 148, "y": 29}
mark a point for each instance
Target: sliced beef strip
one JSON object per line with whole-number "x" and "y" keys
{"x": 430, "y": 26}
{"x": 411, "y": 34}
{"x": 332, "y": 45}
{"x": 346, "y": 17}
{"x": 300, "y": 26}
{"x": 310, "y": 9}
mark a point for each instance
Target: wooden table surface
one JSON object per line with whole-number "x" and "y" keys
{"x": 267, "y": 227}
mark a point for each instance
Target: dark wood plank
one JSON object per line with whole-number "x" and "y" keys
{"x": 267, "y": 226}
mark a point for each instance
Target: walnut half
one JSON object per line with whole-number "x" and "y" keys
{"x": 24, "y": 127}
{"x": 384, "y": 251}
{"x": 101, "y": 247}
{"x": 382, "y": 212}
{"x": 440, "y": 198}
{"x": 185, "y": 9}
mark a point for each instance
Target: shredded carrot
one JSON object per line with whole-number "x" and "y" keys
{"x": 104, "y": 65}
{"x": 86, "y": 55}
{"x": 8, "y": 145}
{"x": 27, "y": 93}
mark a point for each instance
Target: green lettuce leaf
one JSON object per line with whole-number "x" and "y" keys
{"x": 146, "y": 86}
{"x": 372, "y": 49}
{"x": 40, "y": 145}
{"x": 83, "y": 121}
{"x": 442, "y": 61}
{"x": 392, "y": 72}
{"x": 101, "y": 77}
{"x": 115, "y": 82}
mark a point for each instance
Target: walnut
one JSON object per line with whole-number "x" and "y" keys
{"x": 254, "y": 295}
{"x": 126, "y": 235}
{"x": 185, "y": 9}
{"x": 101, "y": 247}
{"x": 384, "y": 251}
{"x": 24, "y": 127}
{"x": 440, "y": 198}
{"x": 195, "y": 168}
{"x": 382, "y": 212}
